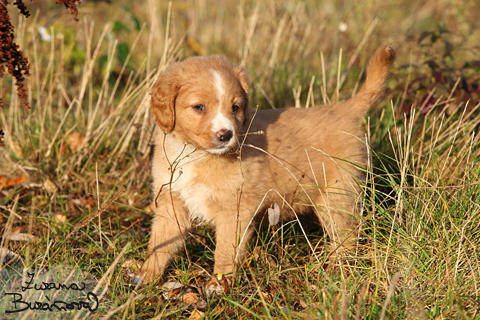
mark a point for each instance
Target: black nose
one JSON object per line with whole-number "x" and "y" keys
{"x": 224, "y": 135}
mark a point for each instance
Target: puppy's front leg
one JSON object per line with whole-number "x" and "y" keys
{"x": 170, "y": 226}
{"x": 232, "y": 238}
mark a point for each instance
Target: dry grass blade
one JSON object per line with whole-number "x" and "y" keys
{"x": 89, "y": 219}
{"x": 6, "y": 232}
{"x": 391, "y": 290}
{"x": 361, "y": 296}
{"x": 106, "y": 279}
{"x": 123, "y": 306}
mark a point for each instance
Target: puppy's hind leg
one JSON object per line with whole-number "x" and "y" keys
{"x": 339, "y": 215}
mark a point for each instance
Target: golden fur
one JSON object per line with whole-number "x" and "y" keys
{"x": 206, "y": 167}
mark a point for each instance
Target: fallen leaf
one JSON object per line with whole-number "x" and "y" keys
{"x": 11, "y": 182}
{"x": 172, "y": 289}
{"x": 274, "y": 214}
{"x": 172, "y": 285}
{"x": 196, "y": 315}
{"x": 23, "y": 237}
{"x": 190, "y": 298}
{"x": 9, "y": 257}
{"x": 75, "y": 141}
{"x": 61, "y": 218}
{"x": 49, "y": 186}
{"x": 302, "y": 303}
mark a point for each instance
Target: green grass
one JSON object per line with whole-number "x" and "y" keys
{"x": 418, "y": 252}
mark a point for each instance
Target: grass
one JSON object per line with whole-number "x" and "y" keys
{"x": 84, "y": 147}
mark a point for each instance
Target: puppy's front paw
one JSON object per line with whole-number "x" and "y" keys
{"x": 144, "y": 276}
{"x": 137, "y": 277}
{"x": 218, "y": 285}
{"x": 150, "y": 271}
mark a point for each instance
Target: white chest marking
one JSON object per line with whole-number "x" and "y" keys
{"x": 194, "y": 194}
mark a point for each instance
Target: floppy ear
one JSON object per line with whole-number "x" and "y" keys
{"x": 164, "y": 93}
{"x": 247, "y": 114}
{"x": 241, "y": 74}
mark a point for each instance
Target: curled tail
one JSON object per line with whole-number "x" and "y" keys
{"x": 377, "y": 72}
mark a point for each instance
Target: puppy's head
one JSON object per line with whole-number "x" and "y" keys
{"x": 204, "y": 101}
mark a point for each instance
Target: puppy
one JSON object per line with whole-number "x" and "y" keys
{"x": 217, "y": 162}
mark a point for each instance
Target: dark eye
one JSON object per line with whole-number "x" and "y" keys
{"x": 199, "y": 107}
{"x": 235, "y": 107}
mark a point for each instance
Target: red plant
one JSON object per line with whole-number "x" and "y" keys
{"x": 10, "y": 56}
{"x": 70, "y": 4}
{"x": 17, "y": 65}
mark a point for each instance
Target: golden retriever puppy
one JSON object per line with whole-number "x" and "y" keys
{"x": 217, "y": 162}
